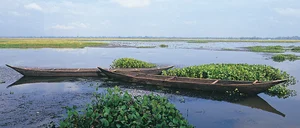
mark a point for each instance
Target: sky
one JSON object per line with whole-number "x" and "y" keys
{"x": 167, "y": 18}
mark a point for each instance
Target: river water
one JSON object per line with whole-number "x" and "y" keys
{"x": 35, "y": 102}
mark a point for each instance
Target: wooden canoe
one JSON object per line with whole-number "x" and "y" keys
{"x": 248, "y": 87}
{"x": 251, "y": 101}
{"x": 80, "y": 72}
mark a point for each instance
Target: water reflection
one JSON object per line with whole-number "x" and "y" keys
{"x": 48, "y": 98}
{"x": 252, "y": 102}
{"x": 31, "y": 80}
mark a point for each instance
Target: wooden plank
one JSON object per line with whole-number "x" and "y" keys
{"x": 171, "y": 78}
{"x": 255, "y": 82}
{"x": 215, "y": 82}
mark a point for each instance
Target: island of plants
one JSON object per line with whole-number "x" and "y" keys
{"x": 270, "y": 49}
{"x": 117, "y": 109}
{"x": 145, "y": 47}
{"x": 131, "y": 63}
{"x": 296, "y": 49}
{"x": 283, "y": 57}
{"x": 163, "y": 46}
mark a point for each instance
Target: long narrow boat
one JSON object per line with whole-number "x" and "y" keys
{"x": 252, "y": 101}
{"x": 249, "y": 87}
{"x": 80, "y": 72}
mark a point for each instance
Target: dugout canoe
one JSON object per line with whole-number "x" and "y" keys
{"x": 80, "y": 72}
{"x": 252, "y": 102}
{"x": 248, "y": 87}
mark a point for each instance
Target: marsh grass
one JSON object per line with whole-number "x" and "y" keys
{"x": 238, "y": 40}
{"x": 163, "y": 46}
{"x": 296, "y": 49}
{"x": 230, "y": 49}
{"x": 145, "y": 47}
{"x": 283, "y": 57}
{"x": 270, "y": 49}
{"x": 47, "y": 43}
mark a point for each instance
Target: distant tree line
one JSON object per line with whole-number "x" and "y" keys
{"x": 158, "y": 37}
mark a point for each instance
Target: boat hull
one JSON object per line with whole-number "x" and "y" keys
{"x": 79, "y": 72}
{"x": 194, "y": 83}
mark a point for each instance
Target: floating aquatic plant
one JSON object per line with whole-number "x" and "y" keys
{"x": 163, "y": 46}
{"x": 240, "y": 72}
{"x": 131, "y": 63}
{"x": 117, "y": 109}
{"x": 283, "y": 57}
{"x": 296, "y": 49}
{"x": 270, "y": 49}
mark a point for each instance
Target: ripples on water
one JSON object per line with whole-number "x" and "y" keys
{"x": 34, "y": 102}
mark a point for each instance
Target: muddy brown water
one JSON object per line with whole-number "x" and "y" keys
{"x": 35, "y": 102}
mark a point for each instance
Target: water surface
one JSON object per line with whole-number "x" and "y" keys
{"x": 34, "y": 104}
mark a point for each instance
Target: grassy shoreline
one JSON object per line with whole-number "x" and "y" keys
{"x": 244, "y": 40}
{"x": 94, "y": 42}
{"x": 47, "y": 43}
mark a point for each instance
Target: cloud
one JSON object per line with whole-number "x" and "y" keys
{"x": 132, "y": 3}
{"x": 33, "y": 6}
{"x": 288, "y": 11}
{"x": 73, "y": 25}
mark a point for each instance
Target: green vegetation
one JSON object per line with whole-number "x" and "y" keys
{"x": 145, "y": 47}
{"x": 163, "y": 46}
{"x": 281, "y": 92}
{"x": 1, "y": 82}
{"x": 296, "y": 49}
{"x": 283, "y": 57}
{"x": 229, "y": 49}
{"x": 270, "y": 49}
{"x": 241, "y": 72}
{"x": 131, "y": 63}
{"x": 120, "y": 109}
{"x": 242, "y": 40}
{"x": 47, "y": 43}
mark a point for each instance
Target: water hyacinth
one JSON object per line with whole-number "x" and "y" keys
{"x": 118, "y": 109}
{"x": 131, "y": 63}
{"x": 163, "y": 46}
{"x": 240, "y": 72}
{"x": 270, "y": 49}
{"x": 281, "y": 92}
{"x": 283, "y": 57}
{"x": 296, "y": 49}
